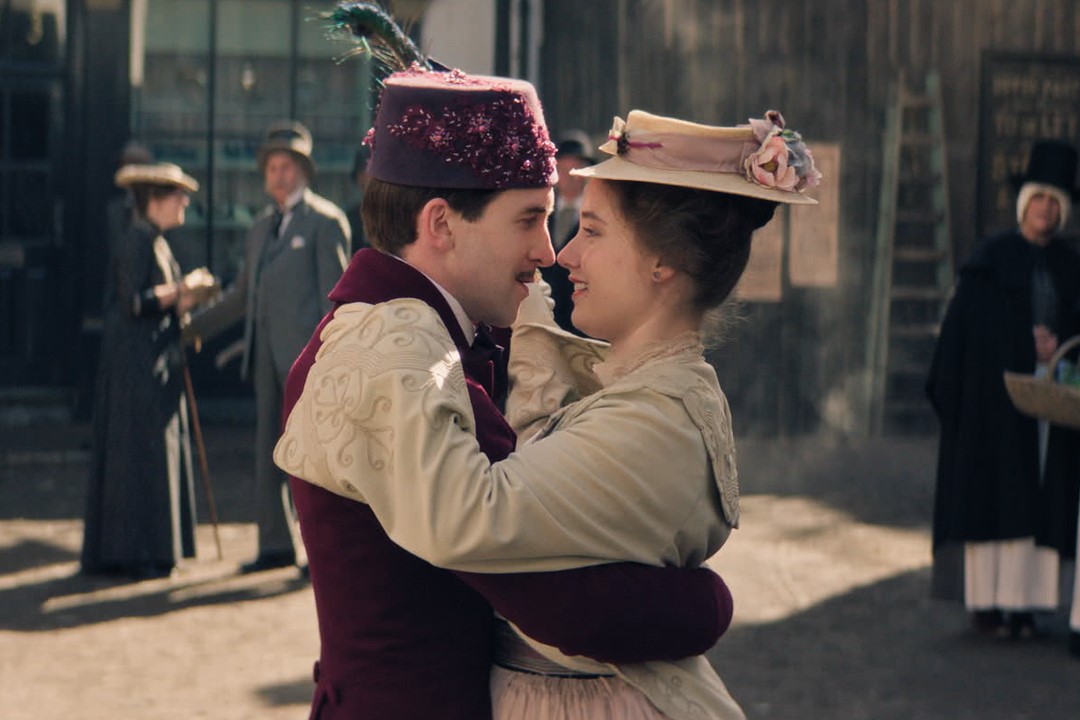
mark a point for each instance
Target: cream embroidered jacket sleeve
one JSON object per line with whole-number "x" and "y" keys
{"x": 386, "y": 398}
{"x": 384, "y": 418}
{"x": 549, "y": 367}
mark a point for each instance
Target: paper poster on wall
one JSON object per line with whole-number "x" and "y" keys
{"x": 1023, "y": 98}
{"x": 761, "y": 280}
{"x": 814, "y": 255}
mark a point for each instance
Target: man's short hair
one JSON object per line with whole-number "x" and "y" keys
{"x": 389, "y": 211}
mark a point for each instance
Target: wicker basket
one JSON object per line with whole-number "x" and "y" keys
{"x": 1042, "y": 397}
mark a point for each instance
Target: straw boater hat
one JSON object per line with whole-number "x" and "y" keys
{"x": 448, "y": 129}
{"x": 761, "y": 160}
{"x": 291, "y": 137}
{"x": 155, "y": 174}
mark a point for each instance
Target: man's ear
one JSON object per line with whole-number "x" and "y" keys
{"x": 433, "y": 225}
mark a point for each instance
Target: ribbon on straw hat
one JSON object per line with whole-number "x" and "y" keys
{"x": 763, "y": 159}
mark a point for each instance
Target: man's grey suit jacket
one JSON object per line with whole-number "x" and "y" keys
{"x": 282, "y": 289}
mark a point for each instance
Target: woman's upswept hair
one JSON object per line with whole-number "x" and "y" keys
{"x": 389, "y": 211}
{"x": 702, "y": 233}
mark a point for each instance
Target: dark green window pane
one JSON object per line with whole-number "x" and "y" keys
{"x": 32, "y": 32}
{"x": 3, "y": 129}
{"x": 29, "y": 126}
{"x": 30, "y": 204}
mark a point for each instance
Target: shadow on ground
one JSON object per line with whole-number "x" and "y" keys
{"x": 881, "y": 651}
{"x": 880, "y": 481}
{"x": 32, "y": 553}
{"x": 44, "y": 471}
{"x": 887, "y": 652}
{"x": 74, "y": 600}
{"x": 293, "y": 693}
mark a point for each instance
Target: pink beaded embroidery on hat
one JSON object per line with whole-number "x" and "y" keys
{"x": 518, "y": 153}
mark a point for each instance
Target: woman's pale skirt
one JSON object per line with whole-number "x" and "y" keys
{"x": 1012, "y": 575}
{"x": 524, "y": 696}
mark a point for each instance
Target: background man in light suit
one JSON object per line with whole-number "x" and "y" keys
{"x": 294, "y": 253}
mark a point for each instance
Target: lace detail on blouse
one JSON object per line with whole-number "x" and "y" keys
{"x": 688, "y": 343}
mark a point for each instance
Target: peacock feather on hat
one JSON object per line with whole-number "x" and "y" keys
{"x": 378, "y": 35}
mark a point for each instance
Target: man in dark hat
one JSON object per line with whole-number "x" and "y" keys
{"x": 456, "y": 208}
{"x": 294, "y": 253}
{"x": 1006, "y": 500}
{"x": 573, "y": 152}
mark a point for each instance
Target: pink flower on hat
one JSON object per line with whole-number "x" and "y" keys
{"x": 763, "y": 127}
{"x": 810, "y": 176}
{"x": 769, "y": 166}
{"x": 782, "y": 161}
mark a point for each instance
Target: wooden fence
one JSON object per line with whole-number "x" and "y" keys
{"x": 796, "y": 365}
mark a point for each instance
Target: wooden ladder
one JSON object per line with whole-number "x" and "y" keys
{"x": 913, "y": 263}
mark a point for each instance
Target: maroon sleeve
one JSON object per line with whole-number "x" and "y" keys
{"x": 619, "y": 613}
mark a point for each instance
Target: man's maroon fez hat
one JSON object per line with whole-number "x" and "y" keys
{"x": 457, "y": 131}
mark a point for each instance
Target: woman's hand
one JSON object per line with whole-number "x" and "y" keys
{"x": 175, "y": 295}
{"x": 202, "y": 285}
{"x": 187, "y": 298}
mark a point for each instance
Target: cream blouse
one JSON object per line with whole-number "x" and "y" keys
{"x": 639, "y": 466}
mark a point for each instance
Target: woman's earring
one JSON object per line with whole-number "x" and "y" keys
{"x": 656, "y": 276}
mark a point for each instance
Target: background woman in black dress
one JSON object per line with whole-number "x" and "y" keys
{"x": 140, "y": 516}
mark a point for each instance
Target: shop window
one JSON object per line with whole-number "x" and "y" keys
{"x": 208, "y": 76}
{"x": 32, "y": 31}
{"x": 30, "y": 204}
{"x": 9, "y": 315}
{"x": 26, "y": 198}
{"x": 3, "y": 166}
{"x": 29, "y": 126}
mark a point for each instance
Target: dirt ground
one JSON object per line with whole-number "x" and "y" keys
{"x": 830, "y": 574}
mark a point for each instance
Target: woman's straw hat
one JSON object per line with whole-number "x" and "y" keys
{"x": 155, "y": 174}
{"x": 761, "y": 160}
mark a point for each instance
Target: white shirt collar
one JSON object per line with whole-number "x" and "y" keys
{"x": 293, "y": 199}
{"x": 467, "y": 326}
{"x": 287, "y": 212}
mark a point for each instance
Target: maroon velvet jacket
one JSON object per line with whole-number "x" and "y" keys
{"x": 404, "y": 640}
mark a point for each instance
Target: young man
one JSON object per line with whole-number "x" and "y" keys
{"x": 294, "y": 253}
{"x": 457, "y": 204}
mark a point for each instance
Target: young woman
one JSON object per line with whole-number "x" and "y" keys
{"x": 140, "y": 515}
{"x": 625, "y": 448}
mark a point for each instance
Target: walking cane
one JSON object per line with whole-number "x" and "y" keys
{"x": 189, "y": 390}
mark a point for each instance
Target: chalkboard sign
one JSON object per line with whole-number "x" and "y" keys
{"x": 1024, "y": 98}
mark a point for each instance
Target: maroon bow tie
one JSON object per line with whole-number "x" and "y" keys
{"x": 483, "y": 363}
